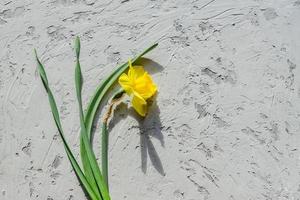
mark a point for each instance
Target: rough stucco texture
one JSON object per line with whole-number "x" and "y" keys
{"x": 224, "y": 125}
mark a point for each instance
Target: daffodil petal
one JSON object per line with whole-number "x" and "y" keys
{"x": 125, "y": 83}
{"x": 136, "y": 72}
{"x": 139, "y": 104}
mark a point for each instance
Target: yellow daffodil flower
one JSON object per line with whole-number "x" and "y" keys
{"x": 138, "y": 84}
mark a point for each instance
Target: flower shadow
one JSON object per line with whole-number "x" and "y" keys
{"x": 149, "y": 127}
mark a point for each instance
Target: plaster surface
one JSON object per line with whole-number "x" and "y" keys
{"x": 224, "y": 125}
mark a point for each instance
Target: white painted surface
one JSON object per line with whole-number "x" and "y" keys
{"x": 225, "y": 124}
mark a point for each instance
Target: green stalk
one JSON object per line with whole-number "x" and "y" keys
{"x": 105, "y": 136}
{"x": 104, "y": 152}
{"x": 96, "y": 100}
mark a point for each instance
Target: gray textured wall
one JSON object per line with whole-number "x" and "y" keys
{"x": 225, "y": 123}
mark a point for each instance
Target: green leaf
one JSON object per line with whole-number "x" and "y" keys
{"x": 56, "y": 117}
{"x": 86, "y": 144}
{"x": 84, "y": 159}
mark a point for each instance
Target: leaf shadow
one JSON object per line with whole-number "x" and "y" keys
{"x": 150, "y": 66}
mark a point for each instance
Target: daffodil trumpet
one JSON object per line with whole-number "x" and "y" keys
{"x": 139, "y": 86}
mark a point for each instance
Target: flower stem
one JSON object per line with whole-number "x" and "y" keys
{"x": 117, "y": 97}
{"x": 105, "y": 153}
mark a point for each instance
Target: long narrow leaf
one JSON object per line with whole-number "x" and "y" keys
{"x": 56, "y": 117}
{"x": 90, "y": 176}
{"x": 89, "y": 152}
